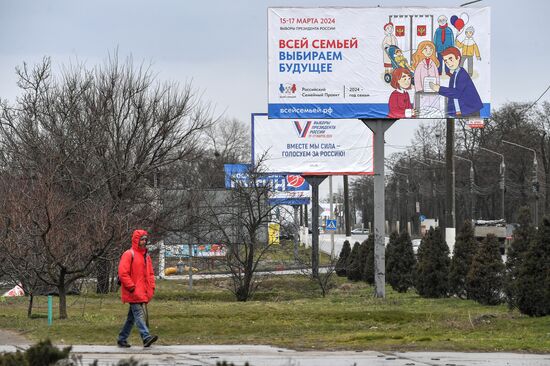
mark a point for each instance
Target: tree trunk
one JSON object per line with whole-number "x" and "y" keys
{"x": 61, "y": 287}
{"x": 245, "y": 289}
{"x": 29, "y": 309}
{"x": 62, "y": 302}
{"x": 103, "y": 269}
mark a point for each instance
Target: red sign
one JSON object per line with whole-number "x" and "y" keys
{"x": 399, "y": 30}
{"x": 421, "y": 30}
{"x": 475, "y": 123}
{"x": 295, "y": 180}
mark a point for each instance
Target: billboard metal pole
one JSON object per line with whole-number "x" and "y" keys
{"x": 346, "y": 207}
{"x": 296, "y": 230}
{"x": 378, "y": 127}
{"x": 314, "y": 181}
{"x": 331, "y": 216}
{"x": 450, "y": 215}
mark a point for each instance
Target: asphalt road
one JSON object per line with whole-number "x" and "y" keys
{"x": 271, "y": 356}
{"x": 326, "y": 246}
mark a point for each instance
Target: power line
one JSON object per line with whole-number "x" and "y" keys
{"x": 536, "y": 101}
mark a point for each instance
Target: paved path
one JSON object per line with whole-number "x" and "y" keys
{"x": 273, "y": 356}
{"x": 11, "y": 338}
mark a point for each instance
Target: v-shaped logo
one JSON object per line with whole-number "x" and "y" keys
{"x": 302, "y": 130}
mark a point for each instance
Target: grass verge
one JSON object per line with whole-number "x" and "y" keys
{"x": 289, "y": 312}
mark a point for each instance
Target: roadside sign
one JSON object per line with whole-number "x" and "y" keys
{"x": 422, "y": 218}
{"x": 476, "y": 123}
{"x": 273, "y": 233}
{"x": 330, "y": 225}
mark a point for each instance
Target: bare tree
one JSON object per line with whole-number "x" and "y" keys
{"x": 238, "y": 218}
{"x": 88, "y": 146}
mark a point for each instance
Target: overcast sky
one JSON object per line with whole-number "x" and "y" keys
{"x": 222, "y": 45}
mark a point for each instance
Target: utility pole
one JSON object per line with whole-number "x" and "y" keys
{"x": 502, "y": 180}
{"x": 398, "y": 222}
{"x": 450, "y": 215}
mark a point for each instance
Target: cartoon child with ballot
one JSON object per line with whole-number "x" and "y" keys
{"x": 400, "y": 102}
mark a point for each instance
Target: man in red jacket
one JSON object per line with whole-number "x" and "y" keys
{"x": 137, "y": 278}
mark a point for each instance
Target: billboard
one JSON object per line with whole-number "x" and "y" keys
{"x": 199, "y": 250}
{"x": 312, "y": 146}
{"x": 287, "y": 189}
{"x": 379, "y": 63}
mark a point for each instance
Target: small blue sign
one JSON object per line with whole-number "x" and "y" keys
{"x": 422, "y": 218}
{"x": 330, "y": 225}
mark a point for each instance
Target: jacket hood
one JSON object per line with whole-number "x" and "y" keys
{"x": 135, "y": 240}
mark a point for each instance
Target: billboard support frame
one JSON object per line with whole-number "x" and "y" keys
{"x": 378, "y": 128}
{"x": 314, "y": 181}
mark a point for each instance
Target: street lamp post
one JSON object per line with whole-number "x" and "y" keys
{"x": 409, "y": 198}
{"x": 535, "y": 181}
{"x": 418, "y": 209}
{"x": 472, "y": 202}
{"x": 502, "y": 177}
{"x": 445, "y": 215}
{"x": 471, "y": 180}
{"x": 434, "y": 197}
{"x": 398, "y": 201}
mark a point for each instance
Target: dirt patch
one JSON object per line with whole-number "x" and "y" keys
{"x": 8, "y": 337}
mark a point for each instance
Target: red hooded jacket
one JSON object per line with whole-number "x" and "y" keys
{"x": 138, "y": 282}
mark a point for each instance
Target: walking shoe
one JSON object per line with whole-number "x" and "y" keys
{"x": 123, "y": 344}
{"x": 149, "y": 341}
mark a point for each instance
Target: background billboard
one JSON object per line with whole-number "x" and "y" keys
{"x": 199, "y": 250}
{"x": 379, "y": 62}
{"x": 312, "y": 146}
{"x": 287, "y": 189}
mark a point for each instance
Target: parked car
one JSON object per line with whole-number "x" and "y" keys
{"x": 360, "y": 231}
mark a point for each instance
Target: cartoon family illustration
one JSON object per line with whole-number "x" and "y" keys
{"x": 443, "y": 56}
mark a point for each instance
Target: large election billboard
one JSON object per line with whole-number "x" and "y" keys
{"x": 312, "y": 146}
{"x": 378, "y": 63}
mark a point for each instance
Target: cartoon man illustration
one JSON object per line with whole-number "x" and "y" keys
{"x": 443, "y": 39}
{"x": 469, "y": 48}
{"x": 462, "y": 97}
{"x": 389, "y": 40}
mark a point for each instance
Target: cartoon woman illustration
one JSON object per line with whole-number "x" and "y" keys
{"x": 425, "y": 64}
{"x": 400, "y": 103}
